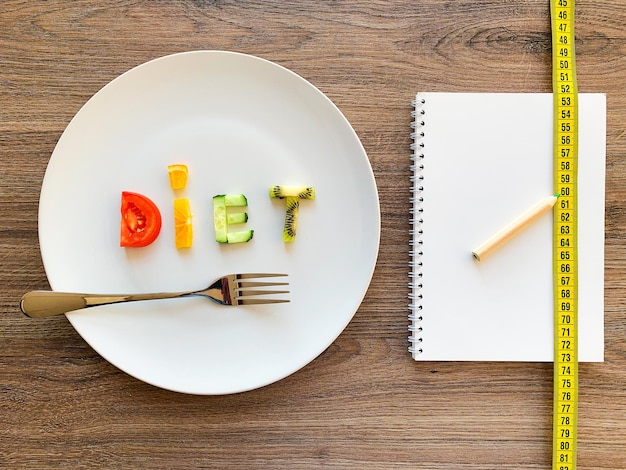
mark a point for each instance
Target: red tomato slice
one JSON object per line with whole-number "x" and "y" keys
{"x": 141, "y": 220}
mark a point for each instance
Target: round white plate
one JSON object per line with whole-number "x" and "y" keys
{"x": 241, "y": 124}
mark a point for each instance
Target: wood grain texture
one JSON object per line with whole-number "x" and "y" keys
{"x": 363, "y": 403}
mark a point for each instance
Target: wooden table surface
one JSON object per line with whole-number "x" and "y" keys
{"x": 363, "y": 403}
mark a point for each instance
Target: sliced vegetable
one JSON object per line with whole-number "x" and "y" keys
{"x": 235, "y": 200}
{"x": 292, "y": 196}
{"x": 237, "y": 217}
{"x": 178, "y": 176}
{"x": 140, "y": 222}
{"x": 182, "y": 223}
{"x": 241, "y": 236}
{"x": 219, "y": 219}
{"x": 222, "y": 217}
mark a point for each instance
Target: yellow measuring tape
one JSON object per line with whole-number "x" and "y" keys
{"x": 565, "y": 239}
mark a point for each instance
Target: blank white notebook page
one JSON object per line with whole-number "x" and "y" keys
{"x": 482, "y": 159}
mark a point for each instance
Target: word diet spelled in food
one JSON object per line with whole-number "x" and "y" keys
{"x": 141, "y": 219}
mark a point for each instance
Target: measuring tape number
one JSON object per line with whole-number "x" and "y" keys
{"x": 565, "y": 239}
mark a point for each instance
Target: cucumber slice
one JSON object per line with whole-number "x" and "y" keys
{"x": 301, "y": 192}
{"x": 222, "y": 218}
{"x": 237, "y": 217}
{"x": 240, "y": 237}
{"x": 219, "y": 219}
{"x": 235, "y": 200}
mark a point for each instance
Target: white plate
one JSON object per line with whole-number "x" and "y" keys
{"x": 241, "y": 124}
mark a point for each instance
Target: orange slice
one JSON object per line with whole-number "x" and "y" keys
{"x": 182, "y": 223}
{"x": 178, "y": 176}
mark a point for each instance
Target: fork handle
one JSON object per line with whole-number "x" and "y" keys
{"x": 42, "y": 303}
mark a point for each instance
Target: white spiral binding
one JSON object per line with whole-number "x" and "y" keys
{"x": 416, "y": 215}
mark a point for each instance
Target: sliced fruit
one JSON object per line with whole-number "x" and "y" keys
{"x": 301, "y": 192}
{"x": 182, "y": 223}
{"x": 178, "y": 176}
{"x": 141, "y": 220}
{"x": 291, "y": 218}
{"x": 292, "y": 196}
{"x": 222, "y": 218}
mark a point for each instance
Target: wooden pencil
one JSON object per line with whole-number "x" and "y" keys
{"x": 516, "y": 226}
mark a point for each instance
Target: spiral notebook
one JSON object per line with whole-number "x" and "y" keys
{"x": 478, "y": 161}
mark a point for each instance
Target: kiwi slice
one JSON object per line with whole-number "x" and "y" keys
{"x": 301, "y": 192}
{"x": 291, "y": 218}
{"x": 292, "y": 196}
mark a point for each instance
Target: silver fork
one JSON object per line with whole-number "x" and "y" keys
{"x": 232, "y": 289}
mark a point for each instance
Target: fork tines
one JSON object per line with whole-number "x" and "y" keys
{"x": 245, "y": 289}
